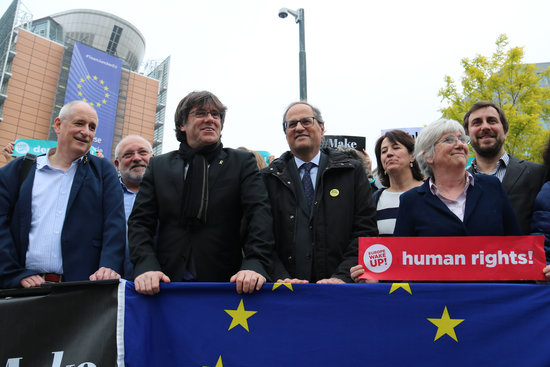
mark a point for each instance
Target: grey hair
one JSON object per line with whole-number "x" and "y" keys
{"x": 316, "y": 113}
{"x": 428, "y": 137}
{"x": 67, "y": 110}
{"x": 117, "y": 148}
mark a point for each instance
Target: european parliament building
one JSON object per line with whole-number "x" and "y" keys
{"x": 79, "y": 54}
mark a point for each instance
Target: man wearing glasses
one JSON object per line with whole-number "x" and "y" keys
{"x": 186, "y": 220}
{"x": 321, "y": 203}
{"x": 132, "y": 156}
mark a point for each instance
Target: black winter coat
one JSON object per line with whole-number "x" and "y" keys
{"x": 342, "y": 212}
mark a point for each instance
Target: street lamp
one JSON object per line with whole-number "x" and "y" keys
{"x": 299, "y": 17}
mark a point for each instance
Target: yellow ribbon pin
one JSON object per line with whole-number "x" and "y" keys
{"x": 334, "y": 193}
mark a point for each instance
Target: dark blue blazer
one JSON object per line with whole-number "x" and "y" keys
{"x": 540, "y": 225}
{"x": 522, "y": 182}
{"x": 488, "y": 212}
{"x": 94, "y": 231}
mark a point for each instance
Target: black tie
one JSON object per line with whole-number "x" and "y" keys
{"x": 306, "y": 181}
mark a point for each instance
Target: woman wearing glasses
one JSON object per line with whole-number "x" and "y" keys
{"x": 452, "y": 202}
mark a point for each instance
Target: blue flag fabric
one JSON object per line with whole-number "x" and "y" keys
{"x": 94, "y": 77}
{"x": 384, "y": 324}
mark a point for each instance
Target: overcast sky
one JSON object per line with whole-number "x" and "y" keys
{"x": 371, "y": 65}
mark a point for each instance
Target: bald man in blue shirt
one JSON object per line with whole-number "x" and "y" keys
{"x": 65, "y": 221}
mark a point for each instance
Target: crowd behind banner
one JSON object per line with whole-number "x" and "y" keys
{"x": 208, "y": 213}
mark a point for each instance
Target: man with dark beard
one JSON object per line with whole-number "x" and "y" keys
{"x": 131, "y": 159}
{"x": 487, "y": 127}
{"x": 186, "y": 221}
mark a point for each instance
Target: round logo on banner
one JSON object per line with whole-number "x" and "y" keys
{"x": 377, "y": 258}
{"x": 21, "y": 147}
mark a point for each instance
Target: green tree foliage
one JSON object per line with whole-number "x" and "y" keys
{"x": 521, "y": 90}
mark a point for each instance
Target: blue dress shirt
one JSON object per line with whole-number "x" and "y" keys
{"x": 50, "y": 195}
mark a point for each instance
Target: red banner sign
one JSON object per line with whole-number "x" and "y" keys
{"x": 453, "y": 258}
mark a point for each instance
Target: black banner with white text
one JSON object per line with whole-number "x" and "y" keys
{"x": 66, "y": 324}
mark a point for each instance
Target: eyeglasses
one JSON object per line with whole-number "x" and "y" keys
{"x": 305, "y": 122}
{"x": 204, "y": 113}
{"x": 141, "y": 152}
{"x": 451, "y": 140}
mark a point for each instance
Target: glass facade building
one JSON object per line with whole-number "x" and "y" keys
{"x": 103, "y": 31}
{"x": 35, "y": 59}
{"x": 7, "y": 23}
{"x": 160, "y": 72}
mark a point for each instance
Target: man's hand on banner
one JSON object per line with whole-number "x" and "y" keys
{"x": 32, "y": 281}
{"x": 331, "y": 281}
{"x": 247, "y": 281}
{"x": 294, "y": 281}
{"x": 104, "y": 274}
{"x": 148, "y": 282}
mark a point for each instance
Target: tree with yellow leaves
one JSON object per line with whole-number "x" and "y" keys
{"x": 521, "y": 90}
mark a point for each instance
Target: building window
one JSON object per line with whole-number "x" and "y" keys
{"x": 113, "y": 41}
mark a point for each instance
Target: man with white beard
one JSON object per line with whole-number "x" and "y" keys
{"x": 131, "y": 159}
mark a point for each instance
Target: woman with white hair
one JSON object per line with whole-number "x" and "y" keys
{"x": 453, "y": 202}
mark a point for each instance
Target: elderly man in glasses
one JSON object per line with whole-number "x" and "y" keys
{"x": 321, "y": 204}
{"x": 186, "y": 220}
{"x": 132, "y": 156}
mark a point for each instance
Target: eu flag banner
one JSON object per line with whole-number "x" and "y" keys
{"x": 384, "y": 324}
{"x": 94, "y": 78}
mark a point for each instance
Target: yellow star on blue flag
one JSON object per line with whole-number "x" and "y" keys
{"x": 92, "y": 82}
{"x": 405, "y": 286}
{"x": 240, "y": 316}
{"x": 446, "y": 325}
{"x": 277, "y": 285}
{"x": 219, "y": 363}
